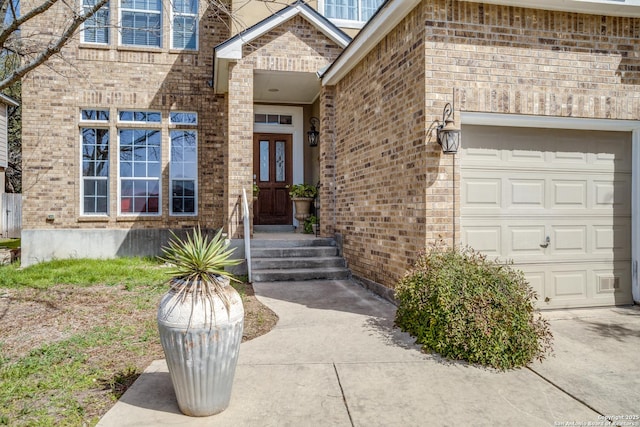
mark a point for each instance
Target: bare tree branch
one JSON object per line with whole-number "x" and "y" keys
{"x": 49, "y": 51}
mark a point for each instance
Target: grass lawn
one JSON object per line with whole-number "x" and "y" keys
{"x": 74, "y": 334}
{"x": 10, "y": 243}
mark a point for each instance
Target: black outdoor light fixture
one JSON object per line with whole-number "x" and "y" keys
{"x": 447, "y": 133}
{"x": 312, "y": 135}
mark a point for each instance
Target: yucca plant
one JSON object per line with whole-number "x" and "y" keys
{"x": 197, "y": 265}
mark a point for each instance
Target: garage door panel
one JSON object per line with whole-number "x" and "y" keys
{"x": 530, "y": 156}
{"x": 482, "y": 192}
{"x": 569, "y": 193}
{"x": 487, "y": 239}
{"x": 572, "y": 157}
{"x": 568, "y": 239}
{"x": 526, "y": 193}
{"x": 612, "y": 194}
{"x": 568, "y": 284}
{"x": 610, "y": 238}
{"x": 519, "y": 186}
{"x": 525, "y": 240}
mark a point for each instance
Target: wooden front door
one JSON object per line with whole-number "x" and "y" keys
{"x": 272, "y": 169}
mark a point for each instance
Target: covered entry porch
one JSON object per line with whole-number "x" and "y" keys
{"x": 268, "y": 75}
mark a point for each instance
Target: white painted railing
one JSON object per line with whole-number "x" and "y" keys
{"x": 247, "y": 232}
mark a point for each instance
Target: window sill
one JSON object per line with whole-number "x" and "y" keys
{"x": 149, "y": 49}
{"x": 184, "y": 51}
{"x": 98, "y": 46}
{"x": 136, "y": 218}
{"x": 344, "y": 23}
{"x": 93, "y": 219}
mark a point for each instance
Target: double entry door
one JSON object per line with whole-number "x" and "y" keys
{"x": 272, "y": 173}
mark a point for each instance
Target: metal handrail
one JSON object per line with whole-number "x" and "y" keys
{"x": 316, "y": 208}
{"x": 247, "y": 233}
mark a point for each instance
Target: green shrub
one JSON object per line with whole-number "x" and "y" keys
{"x": 463, "y": 306}
{"x": 308, "y": 224}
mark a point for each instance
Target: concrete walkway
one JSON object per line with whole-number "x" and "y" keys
{"x": 334, "y": 359}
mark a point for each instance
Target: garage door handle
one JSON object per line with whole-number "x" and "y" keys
{"x": 546, "y": 242}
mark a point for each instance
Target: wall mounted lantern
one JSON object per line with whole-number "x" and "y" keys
{"x": 312, "y": 135}
{"x": 447, "y": 133}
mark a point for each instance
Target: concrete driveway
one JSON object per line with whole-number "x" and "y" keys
{"x": 334, "y": 359}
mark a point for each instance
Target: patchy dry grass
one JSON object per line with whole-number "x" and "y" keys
{"x": 75, "y": 334}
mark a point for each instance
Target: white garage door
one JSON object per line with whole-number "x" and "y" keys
{"x": 556, "y": 202}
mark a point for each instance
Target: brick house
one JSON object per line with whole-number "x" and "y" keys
{"x": 162, "y": 130}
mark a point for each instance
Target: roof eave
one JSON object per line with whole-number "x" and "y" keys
{"x": 231, "y": 50}
{"x": 395, "y": 10}
{"x": 627, "y": 8}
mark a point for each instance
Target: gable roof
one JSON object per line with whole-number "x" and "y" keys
{"x": 231, "y": 49}
{"x": 393, "y": 11}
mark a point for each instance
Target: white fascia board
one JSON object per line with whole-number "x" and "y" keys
{"x": 234, "y": 50}
{"x": 547, "y": 122}
{"x": 380, "y": 25}
{"x": 627, "y": 8}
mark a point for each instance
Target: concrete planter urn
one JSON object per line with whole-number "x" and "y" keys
{"x": 303, "y": 208}
{"x": 200, "y": 321}
{"x": 302, "y": 196}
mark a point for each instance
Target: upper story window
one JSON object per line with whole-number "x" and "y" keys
{"x": 141, "y": 22}
{"x": 184, "y": 28}
{"x": 96, "y": 28}
{"x": 349, "y": 12}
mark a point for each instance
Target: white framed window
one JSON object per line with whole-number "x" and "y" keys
{"x": 141, "y": 23}
{"x": 96, "y": 29}
{"x": 95, "y": 162}
{"x": 140, "y": 164}
{"x": 184, "y": 24}
{"x": 349, "y": 13}
{"x": 183, "y": 165}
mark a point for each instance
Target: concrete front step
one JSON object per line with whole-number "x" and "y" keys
{"x": 296, "y": 262}
{"x": 296, "y": 258}
{"x": 292, "y": 243}
{"x": 297, "y": 274}
{"x": 303, "y": 252}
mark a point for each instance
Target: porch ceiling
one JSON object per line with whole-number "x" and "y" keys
{"x": 285, "y": 87}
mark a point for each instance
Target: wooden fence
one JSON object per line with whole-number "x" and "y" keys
{"x": 10, "y": 215}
